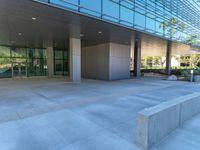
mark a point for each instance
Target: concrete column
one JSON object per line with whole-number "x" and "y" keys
{"x": 136, "y": 44}
{"x": 168, "y": 57}
{"x": 75, "y": 59}
{"x": 50, "y": 62}
{"x": 132, "y": 55}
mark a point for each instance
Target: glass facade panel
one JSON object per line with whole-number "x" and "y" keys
{"x": 160, "y": 17}
{"x": 18, "y": 52}
{"x": 126, "y": 16}
{"x": 91, "y": 7}
{"x": 17, "y": 62}
{"x": 150, "y": 24}
{"x": 5, "y": 67}
{"x": 5, "y": 52}
{"x": 61, "y": 62}
{"x": 110, "y": 10}
{"x": 72, "y": 4}
{"x": 139, "y": 20}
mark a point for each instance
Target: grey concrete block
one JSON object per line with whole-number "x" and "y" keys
{"x": 197, "y": 78}
{"x": 155, "y": 123}
{"x": 141, "y": 137}
{"x": 172, "y": 78}
{"x": 189, "y": 108}
{"x": 109, "y": 61}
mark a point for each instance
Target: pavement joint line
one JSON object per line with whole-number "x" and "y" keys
{"x": 71, "y": 104}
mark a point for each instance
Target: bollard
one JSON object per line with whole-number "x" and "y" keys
{"x": 191, "y": 75}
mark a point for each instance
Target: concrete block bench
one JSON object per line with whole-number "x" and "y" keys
{"x": 155, "y": 123}
{"x": 197, "y": 78}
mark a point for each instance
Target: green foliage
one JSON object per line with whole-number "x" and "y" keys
{"x": 150, "y": 62}
{"x": 185, "y": 74}
{"x": 193, "y": 40}
{"x": 172, "y": 26}
{"x": 195, "y": 60}
{"x": 4, "y": 61}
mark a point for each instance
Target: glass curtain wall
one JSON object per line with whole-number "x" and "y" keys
{"x": 61, "y": 62}
{"x": 177, "y": 20}
{"x": 37, "y": 62}
{"x": 5, "y": 62}
{"x": 18, "y": 62}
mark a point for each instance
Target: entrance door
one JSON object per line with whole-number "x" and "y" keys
{"x": 19, "y": 69}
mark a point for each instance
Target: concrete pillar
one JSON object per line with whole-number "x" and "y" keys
{"x": 136, "y": 44}
{"x": 132, "y": 55}
{"x": 50, "y": 61}
{"x": 168, "y": 57}
{"x": 75, "y": 59}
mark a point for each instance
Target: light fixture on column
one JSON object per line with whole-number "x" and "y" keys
{"x": 126, "y": 43}
{"x": 19, "y": 33}
{"x": 34, "y": 18}
{"x": 12, "y": 42}
{"x": 100, "y": 32}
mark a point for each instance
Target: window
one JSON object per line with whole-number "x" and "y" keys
{"x": 32, "y": 62}
{"x": 126, "y": 16}
{"x": 110, "y": 10}
{"x": 150, "y": 23}
{"x": 37, "y": 62}
{"x": 5, "y": 63}
{"x": 72, "y": 4}
{"x": 91, "y": 7}
{"x": 139, "y": 20}
{"x": 61, "y": 63}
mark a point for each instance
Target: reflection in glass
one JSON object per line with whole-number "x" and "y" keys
{"x": 18, "y": 62}
{"x": 5, "y": 67}
{"x": 146, "y": 15}
{"x": 61, "y": 65}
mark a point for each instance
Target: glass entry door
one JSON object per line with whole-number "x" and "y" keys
{"x": 19, "y": 69}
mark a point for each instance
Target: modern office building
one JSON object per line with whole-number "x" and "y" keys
{"x": 95, "y": 39}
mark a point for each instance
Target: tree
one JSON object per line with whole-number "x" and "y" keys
{"x": 193, "y": 40}
{"x": 172, "y": 26}
{"x": 185, "y": 60}
{"x": 195, "y": 60}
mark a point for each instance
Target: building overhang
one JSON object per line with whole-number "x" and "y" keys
{"x": 32, "y": 24}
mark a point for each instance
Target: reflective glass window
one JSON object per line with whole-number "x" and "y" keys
{"x": 72, "y": 4}
{"x": 37, "y": 62}
{"x": 4, "y": 51}
{"x": 150, "y": 23}
{"x": 139, "y": 20}
{"x": 110, "y": 10}
{"x": 18, "y": 52}
{"x": 5, "y": 62}
{"x": 91, "y": 7}
{"x": 126, "y": 15}
{"x": 61, "y": 62}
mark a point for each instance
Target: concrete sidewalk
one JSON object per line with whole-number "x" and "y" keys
{"x": 53, "y": 114}
{"x": 185, "y": 138}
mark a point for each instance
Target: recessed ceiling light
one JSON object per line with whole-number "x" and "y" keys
{"x": 19, "y": 33}
{"x": 126, "y": 42}
{"x": 100, "y": 32}
{"x": 81, "y": 35}
{"x": 33, "y": 18}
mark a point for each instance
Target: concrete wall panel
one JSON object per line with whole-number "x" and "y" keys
{"x": 119, "y": 61}
{"x": 110, "y": 61}
{"x": 152, "y": 46}
{"x": 95, "y": 60}
{"x": 155, "y": 123}
{"x": 181, "y": 49}
{"x": 189, "y": 109}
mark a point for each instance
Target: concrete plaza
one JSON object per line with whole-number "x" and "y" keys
{"x": 54, "y": 114}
